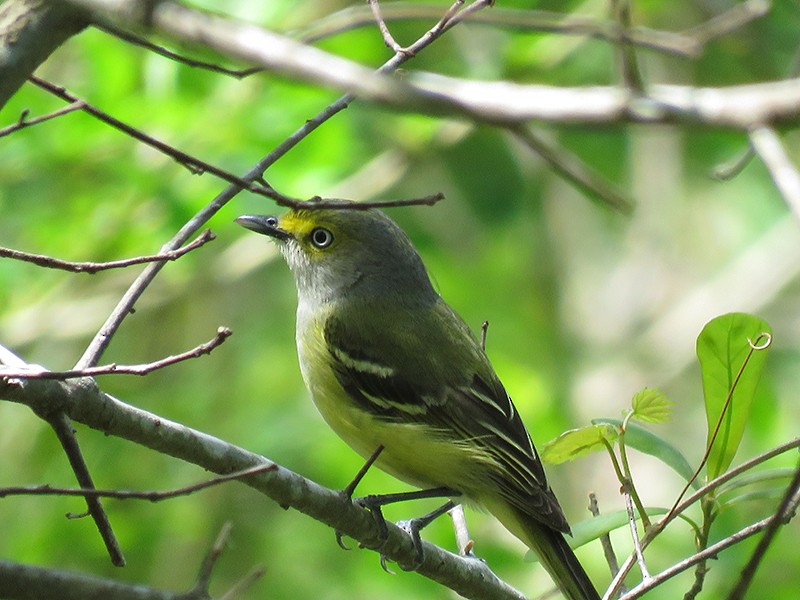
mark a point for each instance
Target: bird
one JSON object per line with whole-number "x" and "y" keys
{"x": 389, "y": 364}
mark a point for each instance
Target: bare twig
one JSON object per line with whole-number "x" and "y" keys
{"x": 732, "y": 19}
{"x": 192, "y": 163}
{"x": 628, "y": 64}
{"x": 62, "y": 426}
{"x": 152, "y": 496}
{"x": 637, "y": 544}
{"x": 688, "y": 43}
{"x": 714, "y": 549}
{"x": 207, "y": 567}
{"x": 244, "y": 584}
{"x": 784, "y": 510}
{"x": 390, "y": 42}
{"x": 734, "y": 166}
{"x": 136, "y": 40}
{"x": 94, "y": 267}
{"x": 574, "y": 170}
{"x": 660, "y": 525}
{"x": 463, "y": 541}
{"x": 223, "y": 333}
{"x": 768, "y": 146}
{"x": 24, "y": 122}
{"x": 320, "y": 203}
{"x": 605, "y": 540}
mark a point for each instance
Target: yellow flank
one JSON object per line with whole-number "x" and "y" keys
{"x": 408, "y": 447}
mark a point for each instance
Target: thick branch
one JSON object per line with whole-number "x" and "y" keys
{"x": 82, "y": 401}
{"x": 30, "y": 30}
{"x": 503, "y": 103}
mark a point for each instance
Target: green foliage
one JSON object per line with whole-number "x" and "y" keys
{"x": 581, "y": 301}
{"x": 578, "y": 442}
{"x": 732, "y": 350}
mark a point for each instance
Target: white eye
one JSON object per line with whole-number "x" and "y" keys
{"x": 321, "y": 237}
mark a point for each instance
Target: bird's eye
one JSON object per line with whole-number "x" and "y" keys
{"x": 272, "y": 221}
{"x": 321, "y": 237}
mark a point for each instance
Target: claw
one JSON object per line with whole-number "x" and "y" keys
{"x": 412, "y": 528}
{"x": 340, "y": 541}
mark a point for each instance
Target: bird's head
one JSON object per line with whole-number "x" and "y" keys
{"x": 337, "y": 251}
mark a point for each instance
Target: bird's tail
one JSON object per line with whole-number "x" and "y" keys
{"x": 553, "y": 551}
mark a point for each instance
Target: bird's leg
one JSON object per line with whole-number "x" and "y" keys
{"x": 374, "y": 504}
{"x": 414, "y": 526}
{"x": 347, "y": 492}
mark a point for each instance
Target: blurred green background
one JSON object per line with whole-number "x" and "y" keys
{"x": 585, "y": 306}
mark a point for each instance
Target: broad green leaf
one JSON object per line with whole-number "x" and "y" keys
{"x": 651, "y": 406}
{"x": 648, "y": 442}
{"x": 578, "y": 442}
{"x": 591, "y": 529}
{"x": 722, "y": 348}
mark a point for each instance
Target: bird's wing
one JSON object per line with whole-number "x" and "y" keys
{"x": 394, "y": 375}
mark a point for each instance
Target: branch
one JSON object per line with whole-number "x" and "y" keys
{"x": 94, "y": 267}
{"x": 28, "y": 582}
{"x": 194, "y": 164}
{"x": 24, "y": 122}
{"x": 499, "y": 103}
{"x": 766, "y": 143}
{"x": 82, "y": 401}
{"x": 30, "y": 30}
{"x": 689, "y": 43}
{"x": 223, "y": 333}
{"x": 785, "y": 511}
{"x": 714, "y": 549}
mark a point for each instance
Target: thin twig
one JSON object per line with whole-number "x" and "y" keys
{"x": 626, "y": 51}
{"x": 317, "y": 203}
{"x": 152, "y": 496}
{"x": 388, "y": 39}
{"x": 223, "y": 333}
{"x": 62, "y": 426}
{"x": 94, "y": 267}
{"x": 244, "y": 584}
{"x": 574, "y": 170}
{"x": 129, "y": 37}
{"x": 749, "y": 571}
{"x": 768, "y": 146}
{"x": 24, "y": 122}
{"x": 192, "y": 163}
{"x": 712, "y": 550}
{"x": 605, "y": 540}
{"x": 728, "y": 170}
{"x": 637, "y": 544}
{"x": 658, "y": 527}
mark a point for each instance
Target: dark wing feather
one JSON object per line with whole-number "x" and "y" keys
{"x": 461, "y": 406}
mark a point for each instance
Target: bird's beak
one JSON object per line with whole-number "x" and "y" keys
{"x": 264, "y": 224}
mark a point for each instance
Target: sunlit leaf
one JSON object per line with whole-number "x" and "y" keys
{"x": 722, "y": 348}
{"x": 648, "y": 442}
{"x": 651, "y": 405}
{"x": 578, "y": 442}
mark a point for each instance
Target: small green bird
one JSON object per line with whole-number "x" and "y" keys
{"x": 389, "y": 363}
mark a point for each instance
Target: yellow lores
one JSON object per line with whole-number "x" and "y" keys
{"x": 389, "y": 363}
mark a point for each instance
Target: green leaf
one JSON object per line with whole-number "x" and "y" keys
{"x": 651, "y": 406}
{"x": 756, "y": 496}
{"x": 723, "y": 347}
{"x": 648, "y": 442}
{"x": 578, "y": 442}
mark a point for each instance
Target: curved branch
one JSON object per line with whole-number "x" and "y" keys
{"x": 84, "y": 402}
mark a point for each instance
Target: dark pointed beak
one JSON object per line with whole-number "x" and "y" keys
{"x": 263, "y": 224}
